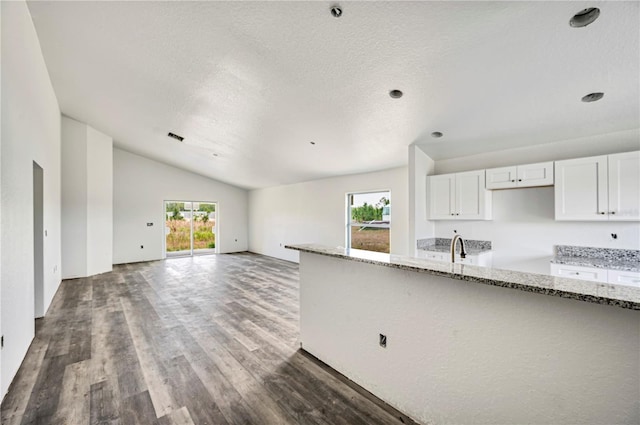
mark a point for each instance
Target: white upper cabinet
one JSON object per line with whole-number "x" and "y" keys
{"x": 624, "y": 186}
{"x": 529, "y": 175}
{"x": 598, "y": 188}
{"x": 460, "y": 196}
{"x": 441, "y": 196}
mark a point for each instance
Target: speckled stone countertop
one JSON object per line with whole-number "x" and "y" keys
{"x": 472, "y": 247}
{"x": 594, "y": 292}
{"x": 602, "y": 258}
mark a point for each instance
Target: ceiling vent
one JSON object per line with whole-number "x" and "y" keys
{"x": 584, "y": 17}
{"x": 175, "y": 136}
{"x": 592, "y": 97}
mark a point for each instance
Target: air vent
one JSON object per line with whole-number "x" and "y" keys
{"x": 584, "y": 17}
{"x": 593, "y": 97}
{"x": 175, "y": 136}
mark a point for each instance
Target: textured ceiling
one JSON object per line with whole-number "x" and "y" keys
{"x": 256, "y": 82}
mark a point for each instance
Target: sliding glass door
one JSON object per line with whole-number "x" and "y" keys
{"x": 204, "y": 228}
{"x": 190, "y": 228}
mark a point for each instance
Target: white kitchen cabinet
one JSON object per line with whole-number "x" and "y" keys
{"x": 460, "y": 196}
{"x": 529, "y": 175}
{"x": 483, "y": 259}
{"x": 598, "y": 188}
{"x": 434, "y": 255}
{"x": 624, "y": 186}
{"x": 579, "y": 272}
{"x": 617, "y": 277}
{"x": 622, "y": 277}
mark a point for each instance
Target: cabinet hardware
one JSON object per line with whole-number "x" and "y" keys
{"x": 458, "y": 214}
{"x": 519, "y": 180}
{"x": 601, "y": 213}
{"x": 613, "y": 212}
{"x": 513, "y": 181}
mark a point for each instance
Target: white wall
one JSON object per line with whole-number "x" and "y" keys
{"x": 420, "y": 166}
{"x": 74, "y": 198}
{"x": 99, "y": 202}
{"x": 87, "y": 200}
{"x": 623, "y": 141}
{"x": 466, "y": 353}
{"x": 140, "y": 187}
{"x": 30, "y": 132}
{"x": 316, "y": 212}
{"x": 523, "y": 230}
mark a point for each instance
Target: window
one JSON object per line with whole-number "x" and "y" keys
{"x": 369, "y": 221}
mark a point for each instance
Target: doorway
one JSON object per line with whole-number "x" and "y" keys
{"x": 191, "y": 228}
{"x": 38, "y": 240}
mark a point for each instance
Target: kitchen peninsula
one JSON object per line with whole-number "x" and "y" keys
{"x": 455, "y": 343}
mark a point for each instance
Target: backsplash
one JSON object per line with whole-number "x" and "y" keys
{"x": 609, "y": 254}
{"x": 468, "y": 243}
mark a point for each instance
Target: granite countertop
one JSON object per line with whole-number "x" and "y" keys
{"x": 602, "y": 258}
{"x": 594, "y": 292}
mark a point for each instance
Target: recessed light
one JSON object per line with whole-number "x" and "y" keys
{"x": 396, "y": 94}
{"x": 584, "y": 17}
{"x": 175, "y": 136}
{"x": 592, "y": 97}
{"x": 336, "y": 11}
{"x": 436, "y": 134}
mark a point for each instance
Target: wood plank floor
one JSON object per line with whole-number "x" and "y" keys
{"x": 203, "y": 340}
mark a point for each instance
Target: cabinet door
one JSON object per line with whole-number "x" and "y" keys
{"x": 535, "y": 174}
{"x": 581, "y": 189}
{"x": 621, "y": 277}
{"x": 624, "y": 186}
{"x": 501, "y": 178}
{"x": 472, "y": 201}
{"x": 441, "y": 197}
{"x": 579, "y": 272}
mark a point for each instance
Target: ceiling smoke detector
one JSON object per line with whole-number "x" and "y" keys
{"x": 436, "y": 134}
{"x": 584, "y": 17}
{"x": 396, "y": 94}
{"x": 336, "y": 11}
{"x": 175, "y": 136}
{"x": 592, "y": 97}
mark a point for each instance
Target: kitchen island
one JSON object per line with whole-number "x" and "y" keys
{"x": 467, "y": 344}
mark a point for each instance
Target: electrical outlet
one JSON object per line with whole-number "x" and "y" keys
{"x": 383, "y": 341}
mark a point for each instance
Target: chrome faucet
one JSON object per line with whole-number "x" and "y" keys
{"x": 463, "y": 253}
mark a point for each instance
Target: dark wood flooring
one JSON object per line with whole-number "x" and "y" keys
{"x": 203, "y": 340}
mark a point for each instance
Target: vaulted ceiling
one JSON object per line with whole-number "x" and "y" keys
{"x": 250, "y": 85}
